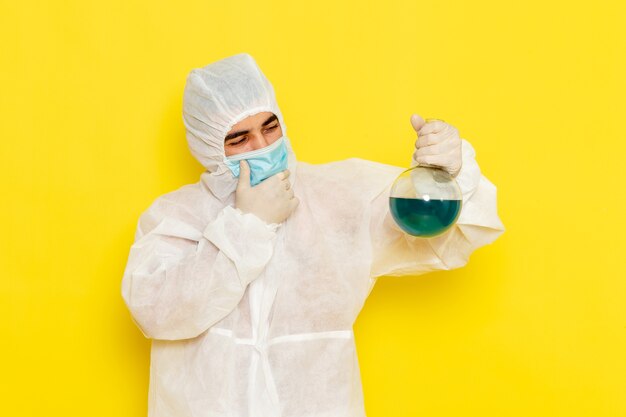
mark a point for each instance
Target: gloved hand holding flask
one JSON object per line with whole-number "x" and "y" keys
{"x": 438, "y": 144}
{"x": 425, "y": 200}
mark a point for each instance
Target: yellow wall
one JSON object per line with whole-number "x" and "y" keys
{"x": 91, "y": 133}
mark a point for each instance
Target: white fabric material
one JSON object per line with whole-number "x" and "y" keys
{"x": 216, "y": 98}
{"x": 251, "y": 258}
{"x": 249, "y": 319}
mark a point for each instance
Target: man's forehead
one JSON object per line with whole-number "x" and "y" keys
{"x": 253, "y": 121}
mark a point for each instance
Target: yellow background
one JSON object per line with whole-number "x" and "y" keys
{"x": 91, "y": 134}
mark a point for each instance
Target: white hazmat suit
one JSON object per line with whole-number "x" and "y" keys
{"x": 250, "y": 319}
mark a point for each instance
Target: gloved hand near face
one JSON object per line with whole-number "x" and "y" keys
{"x": 272, "y": 200}
{"x": 438, "y": 144}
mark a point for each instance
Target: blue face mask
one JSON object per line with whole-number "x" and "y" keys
{"x": 263, "y": 162}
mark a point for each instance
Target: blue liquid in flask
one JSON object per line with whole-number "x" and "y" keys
{"x": 424, "y": 218}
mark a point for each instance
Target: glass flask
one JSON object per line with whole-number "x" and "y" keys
{"x": 425, "y": 201}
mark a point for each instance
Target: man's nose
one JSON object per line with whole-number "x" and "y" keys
{"x": 260, "y": 142}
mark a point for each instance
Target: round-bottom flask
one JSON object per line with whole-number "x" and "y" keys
{"x": 425, "y": 201}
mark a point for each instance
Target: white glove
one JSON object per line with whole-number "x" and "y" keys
{"x": 272, "y": 200}
{"x": 438, "y": 144}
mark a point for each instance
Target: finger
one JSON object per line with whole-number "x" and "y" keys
{"x": 290, "y": 194}
{"x": 449, "y": 133}
{"x": 433, "y": 160}
{"x": 244, "y": 174}
{"x": 434, "y": 126}
{"x": 283, "y": 174}
{"x": 444, "y": 147}
{"x": 417, "y": 122}
{"x": 429, "y": 139}
{"x": 294, "y": 202}
{"x": 274, "y": 182}
{"x": 428, "y": 150}
{"x": 278, "y": 177}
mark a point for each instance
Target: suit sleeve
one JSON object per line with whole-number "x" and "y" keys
{"x": 182, "y": 277}
{"x": 396, "y": 253}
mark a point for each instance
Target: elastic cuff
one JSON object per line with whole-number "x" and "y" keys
{"x": 469, "y": 175}
{"x": 272, "y": 227}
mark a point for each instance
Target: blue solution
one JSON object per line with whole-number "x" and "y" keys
{"x": 424, "y": 218}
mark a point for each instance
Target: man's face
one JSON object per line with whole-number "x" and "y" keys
{"x": 252, "y": 133}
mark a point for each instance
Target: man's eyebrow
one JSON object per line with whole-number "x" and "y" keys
{"x": 243, "y": 132}
{"x": 270, "y": 120}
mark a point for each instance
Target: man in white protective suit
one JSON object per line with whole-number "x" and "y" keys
{"x": 249, "y": 281}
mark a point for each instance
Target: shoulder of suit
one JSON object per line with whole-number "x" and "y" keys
{"x": 185, "y": 201}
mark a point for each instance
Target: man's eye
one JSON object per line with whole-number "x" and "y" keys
{"x": 238, "y": 142}
{"x": 273, "y": 127}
